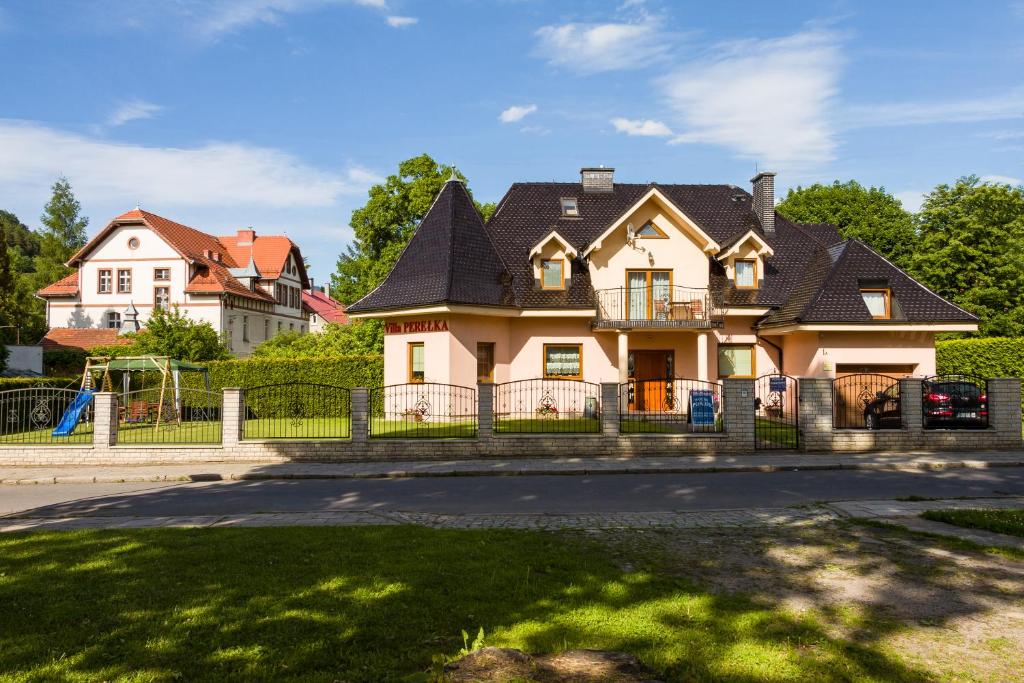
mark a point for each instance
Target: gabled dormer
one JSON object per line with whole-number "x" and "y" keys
{"x": 552, "y": 259}
{"x": 744, "y": 260}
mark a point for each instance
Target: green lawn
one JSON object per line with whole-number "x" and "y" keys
{"x": 376, "y": 604}
{"x": 381, "y": 428}
{"x": 82, "y": 434}
{"x": 1000, "y": 521}
{"x": 299, "y": 428}
{"x": 170, "y": 432}
{"x": 574, "y": 425}
{"x": 776, "y": 433}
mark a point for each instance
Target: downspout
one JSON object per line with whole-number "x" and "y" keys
{"x": 775, "y": 346}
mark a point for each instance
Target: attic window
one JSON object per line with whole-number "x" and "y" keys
{"x": 878, "y": 302}
{"x": 570, "y": 207}
{"x": 650, "y": 231}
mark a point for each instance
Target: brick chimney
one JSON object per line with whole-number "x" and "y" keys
{"x": 597, "y": 179}
{"x": 246, "y": 237}
{"x": 764, "y": 199}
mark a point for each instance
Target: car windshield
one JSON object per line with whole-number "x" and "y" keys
{"x": 960, "y": 389}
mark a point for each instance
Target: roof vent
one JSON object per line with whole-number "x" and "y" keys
{"x": 597, "y": 179}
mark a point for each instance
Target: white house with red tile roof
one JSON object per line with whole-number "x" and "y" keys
{"x": 322, "y": 309}
{"x": 248, "y": 287}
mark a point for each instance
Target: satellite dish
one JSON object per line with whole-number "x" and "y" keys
{"x": 630, "y": 234}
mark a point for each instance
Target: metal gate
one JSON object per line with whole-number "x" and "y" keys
{"x": 776, "y": 412}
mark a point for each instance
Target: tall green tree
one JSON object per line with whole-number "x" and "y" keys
{"x": 971, "y": 248}
{"x": 384, "y": 225}
{"x": 869, "y": 214}
{"x": 63, "y": 233}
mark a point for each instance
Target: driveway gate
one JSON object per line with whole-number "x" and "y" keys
{"x": 776, "y": 412}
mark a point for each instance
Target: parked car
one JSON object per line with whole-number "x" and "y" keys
{"x": 883, "y": 412}
{"x": 954, "y": 403}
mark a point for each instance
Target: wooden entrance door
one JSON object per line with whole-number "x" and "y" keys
{"x": 652, "y": 371}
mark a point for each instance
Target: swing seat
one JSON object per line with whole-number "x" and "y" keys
{"x": 138, "y": 411}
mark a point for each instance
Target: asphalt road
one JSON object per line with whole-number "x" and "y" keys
{"x": 523, "y": 494}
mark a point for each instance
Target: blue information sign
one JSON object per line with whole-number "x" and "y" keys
{"x": 777, "y": 384}
{"x": 702, "y": 407}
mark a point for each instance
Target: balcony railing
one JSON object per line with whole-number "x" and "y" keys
{"x": 656, "y": 306}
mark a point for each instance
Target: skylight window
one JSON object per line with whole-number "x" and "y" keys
{"x": 570, "y": 207}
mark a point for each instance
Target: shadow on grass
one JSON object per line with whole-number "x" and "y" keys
{"x": 374, "y": 604}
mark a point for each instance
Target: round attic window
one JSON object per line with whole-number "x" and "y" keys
{"x": 133, "y": 243}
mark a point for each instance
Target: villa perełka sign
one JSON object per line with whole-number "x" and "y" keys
{"x": 416, "y": 326}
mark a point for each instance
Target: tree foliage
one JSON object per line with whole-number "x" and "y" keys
{"x": 169, "y": 332}
{"x": 63, "y": 233}
{"x": 361, "y": 337}
{"x": 385, "y": 224}
{"x": 869, "y": 214}
{"x": 971, "y": 248}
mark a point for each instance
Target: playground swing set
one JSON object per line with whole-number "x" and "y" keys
{"x": 97, "y": 376}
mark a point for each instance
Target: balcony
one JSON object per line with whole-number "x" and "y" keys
{"x": 657, "y": 307}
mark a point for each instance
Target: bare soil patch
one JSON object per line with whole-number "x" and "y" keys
{"x": 500, "y": 665}
{"x": 958, "y": 614}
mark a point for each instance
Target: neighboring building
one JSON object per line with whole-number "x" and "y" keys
{"x": 322, "y": 309}
{"x": 248, "y": 287}
{"x": 607, "y": 282}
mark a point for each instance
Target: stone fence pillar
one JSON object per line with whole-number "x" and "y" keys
{"x": 610, "y": 408}
{"x": 1004, "y": 413}
{"x": 360, "y": 414}
{"x": 104, "y": 430}
{"x": 232, "y": 416}
{"x": 815, "y": 413}
{"x": 485, "y": 411}
{"x": 738, "y": 411}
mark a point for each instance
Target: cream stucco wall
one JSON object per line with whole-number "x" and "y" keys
{"x": 816, "y": 354}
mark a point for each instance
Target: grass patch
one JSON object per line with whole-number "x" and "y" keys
{"x": 170, "y": 432}
{"x": 947, "y": 542}
{"x": 1000, "y": 521}
{"x": 567, "y": 425}
{"x": 775, "y": 432}
{"x": 82, "y": 434}
{"x": 462, "y": 429}
{"x": 298, "y": 428}
{"x": 376, "y": 604}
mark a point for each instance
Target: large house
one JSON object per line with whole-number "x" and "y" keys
{"x": 248, "y": 287}
{"x": 607, "y": 282}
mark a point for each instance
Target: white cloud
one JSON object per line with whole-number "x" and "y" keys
{"x": 910, "y": 199}
{"x": 594, "y": 48}
{"x": 642, "y": 127}
{"x": 133, "y": 111}
{"x": 1006, "y": 105}
{"x": 1002, "y": 180}
{"x": 401, "y": 22}
{"x": 516, "y": 113}
{"x": 767, "y": 100}
{"x": 216, "y": 173}
{"x": 1002, "y": 135}
{"x": 214, "y": 18}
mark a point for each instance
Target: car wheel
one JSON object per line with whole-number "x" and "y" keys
{"x": 870, "y": 421}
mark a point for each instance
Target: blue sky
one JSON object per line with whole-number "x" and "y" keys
{"x": 280, "y": 113}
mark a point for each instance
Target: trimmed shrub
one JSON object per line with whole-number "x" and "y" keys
{"x": 345, "y": 371}
{"x": 64, "y": 362}
{"x": 29, "y": 382}
{"x": 987, "y": 357}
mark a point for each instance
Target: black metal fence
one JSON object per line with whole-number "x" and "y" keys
{"x": 169, "y": 415}
{"x": 670, "y": 406}
{"x": 423, "y": 410}
{"x": 866, "y": 401}
{"x": 297, "y": 411}
{"x": 45, "y": 415}
{"x": 776, "y": 412}
{"x": 544, "y": 406}
{"x": 954, "y": 402}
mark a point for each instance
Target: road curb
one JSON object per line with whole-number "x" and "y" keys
{"x": 488, "y": 472}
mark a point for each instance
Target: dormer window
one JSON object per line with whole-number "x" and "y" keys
{"x": 746, "y": 273}
{"x": 650, "y": 231}
{"x": 570, "y": 208}
{"x": 878, "y": 302}
{"x": 552, "y": 274}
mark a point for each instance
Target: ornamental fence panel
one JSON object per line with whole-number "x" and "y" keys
{"x": 954, "y": 402}
{"x": 866, "y": 401}
{"x": 46, "y": 415}
{"x": 423, "y": 410}
{"x": 670, "y": 406}
{"x": 297, "y": 411}
{"x": 776, "y": 412}
{"x": 547, "y": 406}
{"x": 169, "y": 415}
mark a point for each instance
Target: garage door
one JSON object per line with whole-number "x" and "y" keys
{"x": 893, "y": 370}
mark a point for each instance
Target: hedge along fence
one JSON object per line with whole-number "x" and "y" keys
{"x": 31, "y": 382}
{"x": 988, "y": 357}
{"x": 342, "y": 371}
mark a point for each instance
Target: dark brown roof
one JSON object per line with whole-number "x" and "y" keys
{"x": 812, "y": 277}
{"x": 448, "y": 260}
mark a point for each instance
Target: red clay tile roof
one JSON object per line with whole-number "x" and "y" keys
{"x": 66, "y": 286}
{"x": 324, "y": 306}
{"x": 199, "y": 247}
{"x": 81, "y": 338}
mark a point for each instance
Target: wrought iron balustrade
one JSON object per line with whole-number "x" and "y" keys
{"x": 656, "y": 305}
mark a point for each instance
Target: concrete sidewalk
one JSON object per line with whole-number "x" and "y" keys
{"x": 682, "y": 464}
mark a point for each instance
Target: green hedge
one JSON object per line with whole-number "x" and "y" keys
{"x": 987, "y": 357}
{"x": 345, "y": 371}
{"x": 29, "y": 382}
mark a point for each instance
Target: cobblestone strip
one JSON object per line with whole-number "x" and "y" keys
{"x": 908, "y": 508}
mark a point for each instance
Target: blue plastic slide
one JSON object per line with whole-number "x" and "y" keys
{"x": 69, "y": 420}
